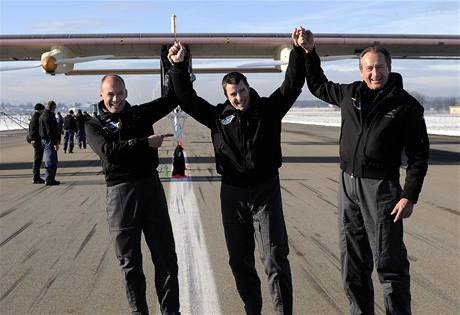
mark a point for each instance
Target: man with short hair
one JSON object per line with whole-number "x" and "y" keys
{"x": 50, "y": 136}
{"x": 81, "y": 119}
{"x": 123, "y": 138}
{"x": 60, "y": 124}
{"x": 70, "y": 126}
{"x": 246, "y": 134}
{"x": 380, "y": 120}
{"x": 35, "y": 140}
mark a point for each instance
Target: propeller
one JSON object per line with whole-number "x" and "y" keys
{"x": 52, "y": 63}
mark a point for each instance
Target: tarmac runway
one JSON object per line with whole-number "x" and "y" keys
{"x": 56, "y": 256}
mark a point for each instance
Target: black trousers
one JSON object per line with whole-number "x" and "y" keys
{"x": 135, "y": 207}
{"x": 38, "y": 158}
{"x": 250, "y": 212}
{"x": 69, "y": 136}
{"x": 368, "y": 237}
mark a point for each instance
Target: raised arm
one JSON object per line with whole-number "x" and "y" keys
{"x": 159, "y": 108}
{"x": 182, "y": 88}
{"x": 317, "y": 82}
{"x": 294, "y": 79}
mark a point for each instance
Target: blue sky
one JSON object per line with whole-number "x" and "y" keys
{"x": 431, "y": 78}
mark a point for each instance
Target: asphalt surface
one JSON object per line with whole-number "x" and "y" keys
{"x": 56, "y": 256}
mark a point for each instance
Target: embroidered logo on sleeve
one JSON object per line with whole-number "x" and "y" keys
{"x": 227, "y": 120}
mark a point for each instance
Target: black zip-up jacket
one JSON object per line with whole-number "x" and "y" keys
{"x": 70, "y": 123}
{"x": 48, "y": 127}
{"x": 80, "y": 120}
{"x": 34, "y": 133}
{"x": 120, "y": 140}
{"x": 246, "y": 144}
{"x": 371, "y": 145}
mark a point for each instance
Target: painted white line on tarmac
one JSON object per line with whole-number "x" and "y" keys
{"x": 197, "y": 294}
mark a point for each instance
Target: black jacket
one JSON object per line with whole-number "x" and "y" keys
{"x": 120, "y": 140}
{"x": 70, "y": 123}
{"x": 80, "y": 120}
{"x": 34, "y": 127}
{"x": 371, "y": 145}
{"x": 246, "y": 144}
{"x": 48, "y": 127}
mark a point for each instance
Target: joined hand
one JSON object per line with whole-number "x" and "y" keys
{"x": 176, "y": 53}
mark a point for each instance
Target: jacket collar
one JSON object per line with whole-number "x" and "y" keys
{"x": 254, "y": 99}
{"x": 395, "y": 82}
{"x": 106, "y": 115}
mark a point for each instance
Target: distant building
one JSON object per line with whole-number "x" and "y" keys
{"x": 454, "y": 110}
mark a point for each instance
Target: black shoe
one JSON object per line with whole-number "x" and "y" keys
{"x": 53, "y": 183}
{"x": 70, "y": 152}
{"x": 39, "y": 181}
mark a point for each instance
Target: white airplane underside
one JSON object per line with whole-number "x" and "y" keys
{"x": 59, "y": 53}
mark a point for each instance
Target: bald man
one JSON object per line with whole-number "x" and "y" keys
{"x": 122, "y": 136}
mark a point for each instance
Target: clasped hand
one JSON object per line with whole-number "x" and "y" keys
{"x": 303, "y": 38}
{"x": 176, "y": 53}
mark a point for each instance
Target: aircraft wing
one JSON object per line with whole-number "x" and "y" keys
{"x": 220, "y": 46}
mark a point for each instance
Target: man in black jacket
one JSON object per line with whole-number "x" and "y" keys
{"x": 35, "y": 140}
{"x": 70, "y": 127}
{"x": 246, "y": 132}
{"x": 379, "y": 120}
{"x": 81, "y": 118}
{"x": 50, "y": 136}
{"x": 122, "y": 136}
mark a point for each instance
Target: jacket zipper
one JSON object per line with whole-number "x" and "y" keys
{"x": 242, "y": 137}
{"x": 356, "y": 147}
{"x": 360, "y": 114}
{"x": 374, "y": 119}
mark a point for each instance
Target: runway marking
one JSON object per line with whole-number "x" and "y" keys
{"x": 198, "y": 293}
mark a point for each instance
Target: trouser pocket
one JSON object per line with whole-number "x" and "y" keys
{"x": 389, "y": 246}
{"x": 122, "y": 206}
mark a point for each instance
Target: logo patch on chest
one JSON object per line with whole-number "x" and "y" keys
{"x": 113, "y": 126}
{"x": 227, "y": 120}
